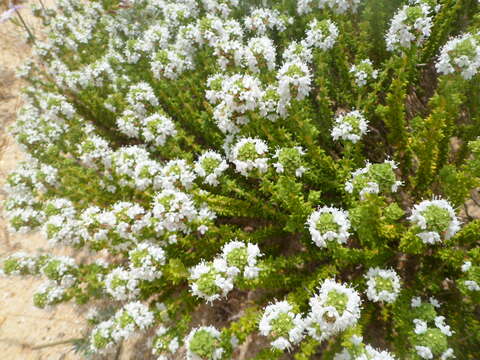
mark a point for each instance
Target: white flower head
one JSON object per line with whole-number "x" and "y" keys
{"x": 204, "y": 343}
{"x": 466, "y": 266}
{"x": 122, "y": 285}
{"x": 363, "y": 72}
{"x": 335, "y": 308}
{"x": 101, "y": 339}
{"x": 289, "y": 161}
{"x": 435, "y": 219}
{"x": 329, "y": 224}
{"x": 410, "y": 26}
{"x": 131, "y": 318}
{"x": 383, "y": 285}
{"x": 298, "y": 51}
{"x": 210, "y": 166}
{"x": 262, "y": 20}
{"x": 374, "y": 179}
{"x": 321, "y": 34}
{"x": 211, "y": 281}
{"x": 284, "y": 327}
{"x": 350, "y": 126}
{"x": 178, "y": 174}
{"x": 250, "y": 154}
{"x": 460, "y": 55}
{"x": 146, "y": 261}
{"x": 294, "y": 80}
{"x": 241, "y": 259}
{"x": 259, "y": 54}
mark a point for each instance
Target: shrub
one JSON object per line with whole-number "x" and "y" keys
{"x": 286, "y": 171}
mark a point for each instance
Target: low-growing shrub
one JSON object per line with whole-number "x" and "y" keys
{"x": 257, "y": 179}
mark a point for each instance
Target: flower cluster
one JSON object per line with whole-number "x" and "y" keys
{"x": 360, "y": 351}
{"x": 435, "y": 219}
{"x": 334, "y": 309}
{"x": 363, "y": 72}
{"x": 410, "y": 26}
{"x": 460, "y": 55}
{"x": 204, "y": 343}
{"x": 250, "y": 155}
{"x": 383, "y": 285}
{"x": 329, "y": 224}
{"x": 210, "y": 166}
{"x": 374, "y": 179}
{"x": 131, "y": 318}
{"x": 350, "y": 126}
{"x": 289, "y": 161}
{"x": 337, "y": 6}
{"x": 282, "y": 325}
{"x": 321, "y": 34}
{"x": 430, "y": 341}
{"x": 214, "y": 280}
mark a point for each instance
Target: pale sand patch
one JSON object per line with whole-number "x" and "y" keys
{"x": 22, "y": 326}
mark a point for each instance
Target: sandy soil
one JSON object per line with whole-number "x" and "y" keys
{"x": 22, "y": 326}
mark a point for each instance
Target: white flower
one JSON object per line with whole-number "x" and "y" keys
{"x": 261, "y": 20}
{"x": 416, "y": 302}
{"x": 411, "y": 25}
{"x": 173, "y": 210}
{"x": 157, "y": 128}
{"x": 460, "y": 55}
{"x": 241, "y": 258}
{"x": 62, "y": 225}
{"x": 350, "y": 126}
{"x": 282, "y": 325}
{"x": 146, "y": 260}
{"x": 101, "y": 337}
{"x": 296, "y": 51}
{"x": 363, "y": 72}
{"x": 335, "y": 308}
{"x": 339, "y": 6}
{"x": 424, "y": 352}
{"x": 260, "y": 54}
{"x": 294, "y": 81}
{"x": 204, "y": 343}
{"x": 436, "y": 219}
{"x": 420, "y": 326}
{"x": 447, "y": 354}
{"x": 250, "y": 154}
{"x": 210, "y": 166}
{"x": 466, "y": 266}
{"x": 444, "y": 328}
{"x": 132, "y": 317}
{"x": 211, "y": 281}
{"x": 374, "y": 179}
{"x": 170, "y": 63}
{"x": 140, "y": 97}
{"x": 121, "y": 284}
{"x": 472, "y": 285}
{"x": 321, "y": 34}
{"x": 329, "y": 224}
{"x": 435, "y": 303}
{"x": 289, "y": 161}
{"x": 177, "y": 174}
{"x": 235, "y": 96}
{"x": 383, "y": 285}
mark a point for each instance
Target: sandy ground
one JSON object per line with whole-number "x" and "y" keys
{"x": 22, "y": 326}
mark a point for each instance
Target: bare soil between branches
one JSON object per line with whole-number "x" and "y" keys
{"x": 24, "y": 328}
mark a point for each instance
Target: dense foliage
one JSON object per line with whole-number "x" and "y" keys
{"x": 286, "y": 174}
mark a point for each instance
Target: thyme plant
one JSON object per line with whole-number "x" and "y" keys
{"x": 288, "y": 172}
